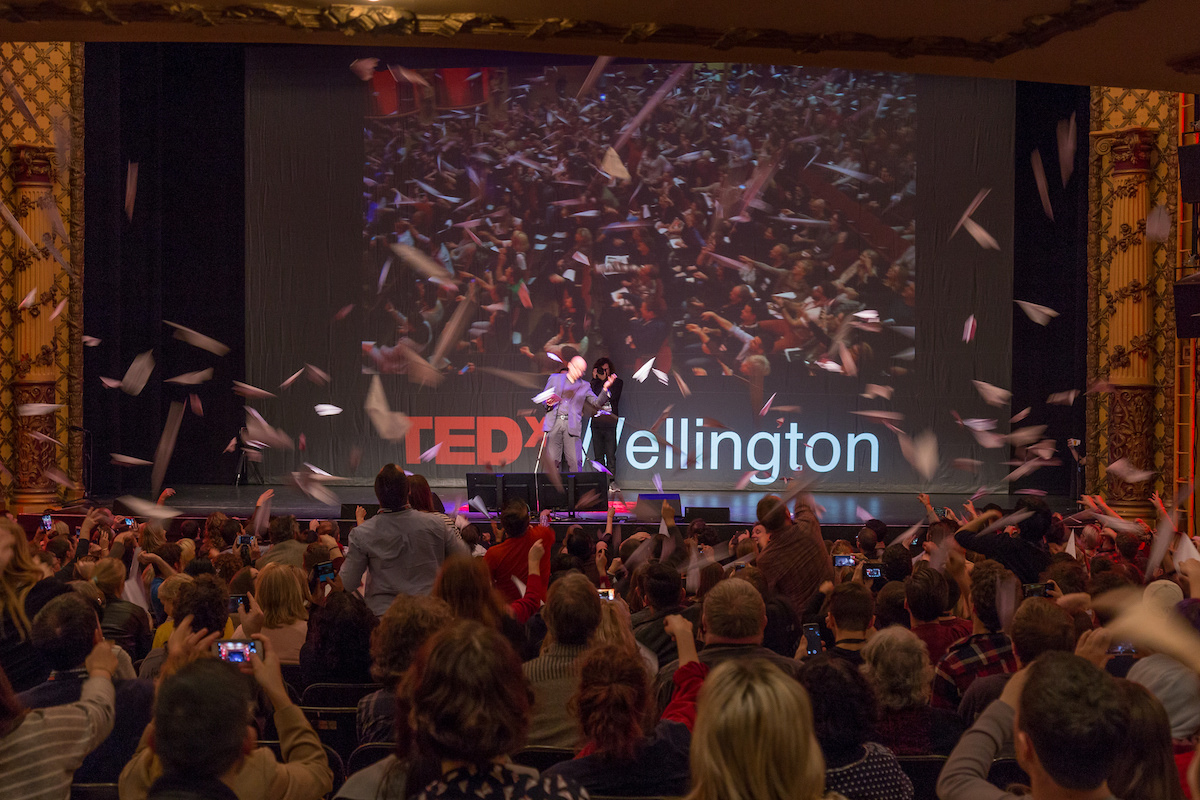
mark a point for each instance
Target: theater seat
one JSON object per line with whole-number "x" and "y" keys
{"x": 541, "y": 758}
{"x": 335, "y": 727}
{"x": 1005, "y": 772}
{"x": 367, "y": 754}
{"x": 335, "y": 763}
{"x": 94, "y": 791}
{"x": 923, "y": 771}
{"x": 336, "y": 695}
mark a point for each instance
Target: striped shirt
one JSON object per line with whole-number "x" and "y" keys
{"x": 39, "y": 758}
{"x": 553, "y": 676}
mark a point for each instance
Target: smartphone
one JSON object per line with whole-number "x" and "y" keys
{"x": 843, "y": 561}
{"x": 607, "y": 594}
{"x": 916, "y": 542}
{"x": 47, "y": 523}
{"x": 737, "y": 565}
{"x": 237, "y": 602}
{"x": 1122, "y": 649}
{"x": 942, "y": 512}
{"x": 812, "y": 639}
{"x": 129, "y": 521}
{"x": 873, "y": 569}
{"x": 245, "y": 539}
{"x": 1035, "y": 589}
{"x": 235, "y": 651}
{"x": 324, "y": 571}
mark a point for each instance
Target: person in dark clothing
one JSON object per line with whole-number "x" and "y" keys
{"x": 64, "y": 633}
{"x": 604, "y": 420}
{"x": 125, "y": 623}
{"x": 1025, "y": 554}
{"x": 663, "y": 592}
{"x": 338, "y": 645}
{"x": 23, "y": 593}
{"x": 851, "y": 611}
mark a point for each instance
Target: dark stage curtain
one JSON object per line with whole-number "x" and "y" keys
{"x": 176, "y": 110}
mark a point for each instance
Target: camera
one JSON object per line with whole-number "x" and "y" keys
{"x": 1122, "y": 649}
{"x": 237, "y": 602}
{"x": 843, "y": 561}
{"x": 607, "y": 594}
{"x": 235, "y": 651}
{"x": 324, "y": 571}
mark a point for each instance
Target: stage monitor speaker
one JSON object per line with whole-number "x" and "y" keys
{"x": 581, "y": 491}
{"x": 1189, "y": 173}
{"x": 349, "y": 509}
{"x": 496, "y": 489}
{"x": 484, "y": 486}
{"x": 649, "y": 506}
{"x": 1187, "y": 307}
{"x": 710, "y": 514}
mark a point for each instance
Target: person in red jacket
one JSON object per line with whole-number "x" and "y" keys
{"x": 510, "y": 558}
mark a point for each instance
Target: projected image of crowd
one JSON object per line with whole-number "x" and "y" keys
{"x": 755, "y": 220}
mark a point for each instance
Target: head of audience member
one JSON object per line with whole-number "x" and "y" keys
{"x": 753, "y": 736}
{"x": 212, "y": 525}
{"x": 65, "y": 631}
{"x": 989, "y": 581}
{"x": 199, "y": 566}
{"x": 464, "y": 700}
{"x": 403, "y": 629}
{"x": 340, "y": 637}
{"x": 1176, "y": 687}
{"x": 206, "y": 600}
{"x": 1034, "y": 528}
{"x": 109, "y": 577}
{"x": 315, "y": 553}
{"x": 1040, "y": 626}
{"x": 579, "y": 543}
{"x": 572, "y": 610}
{"x": 1145, "y": 768}
{"x": 925, "y": 594}
{"x": 1067, "y": 574}
{"x": 391, "y": 488}
{"x": 514, "y": 518}
{"x": 850, "y": 610}
{"x": 896, "y": 562}
{"x": 470, "y": 536}
{"x": 697, "y": 529}
{"x": 168, "y": 592}
{"x": 890, "y": 606}
{"x": 1070, "y": 724}
{"x": 843, "y": 705}
{"x": 868, "y": 542}
{"x": 227, "y": 565}
{"x": 616, "y": 626}
{"x": 772, "y": 514}
{"x": 662, "y": 586}
{"x": 612, "y": 699}
{"x": 711, "y": 574}
{"x": 420, "y": 496}
{"x": 151, "y": 536}
{"x": 94, "y": 597}
{"x": 280, "y": 594}
{"x": 465, "y": 584}
{"x": 60, "y": 548}
{"x": 283, "y": 529}
{"x": 1128, "y": 545}
{"x": 203, "y": 721}
{"x": 734, "y": 613}
{"x": 189, "y": 529}
{"x": 230, "y": 530}
{"x": 897, "y": 665}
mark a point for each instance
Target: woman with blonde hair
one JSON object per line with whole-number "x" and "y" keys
{"x": 126, "y": 624}
{"x": 753, "y": 738}
{"x": 616, "y": 628}
{"x": 23, "y": 592}
{"x": 277, "y": 611}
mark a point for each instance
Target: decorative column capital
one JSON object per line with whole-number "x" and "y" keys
{"x": 1130, "y": 148}
{"x": 32, "y": 165}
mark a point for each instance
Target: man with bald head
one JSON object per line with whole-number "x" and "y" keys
{"x": 563, "y": 423}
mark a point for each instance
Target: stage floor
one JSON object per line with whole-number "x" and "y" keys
{"x": 840, "y": 508}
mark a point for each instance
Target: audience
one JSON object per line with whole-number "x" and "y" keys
{"x": 988, "y": 650}
{"x": 401, "y": 548}
{"x": 663, "y": 591}
{"x": 509, "y": 558}
{"x": 278, "y": 611}
{"x": 572, "y": 615}
{"x": 795, "y": 562}
{"x": 1145, "y": 769}
{"x": 338, "y": 645}
{"x": 465, "y": 584}
{"x": 205, "y": 604}
{"x": 850, "y": 614}
{"x": 123, "y": 622}
{"x": 285, "y": 548}
{"x": 927, "y": 598}
{"x": 23, "y": 593}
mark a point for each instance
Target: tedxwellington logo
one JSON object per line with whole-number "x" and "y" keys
{"x": 685, "y": 442}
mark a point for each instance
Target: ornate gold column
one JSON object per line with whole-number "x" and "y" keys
{"x": 1130, "y": 370}
{"x": 36, "y": 346}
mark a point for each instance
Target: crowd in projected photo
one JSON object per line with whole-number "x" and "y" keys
{"x": 757, "y": 220}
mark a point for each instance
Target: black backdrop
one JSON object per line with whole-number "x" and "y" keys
{"x": 187, "y": 112}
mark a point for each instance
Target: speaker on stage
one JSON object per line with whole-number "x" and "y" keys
{"x": 710, "y": 514}
{"x": 1189, "y": 173}
{"x": 1187, "y": 306}
{"x": 649, "y": 507}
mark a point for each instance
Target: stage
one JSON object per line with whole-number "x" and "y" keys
{"x": 840, "y": 509}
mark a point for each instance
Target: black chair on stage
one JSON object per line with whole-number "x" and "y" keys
{"x": 367, "y": 754}
{"x": 1005, "y": 772}
{"x": 923, "y": 771}
{"x": 541, "y": 758}
{"x": 335, "y": 727}
{"x": 336, "y": 695}
{"x": 94, "y": 791}
{"x": 336, "y": 766}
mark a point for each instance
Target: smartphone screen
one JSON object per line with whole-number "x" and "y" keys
{"x": 129, "y": 522}
{"x": 607, "y": 594}
{"x": 1122, "y": 649}
{"x": 324, "y": 571}
{"x": 237, "y": 602}
{"x": 47, "y": 523}
{"x": 812, "y": 639}
{"x": 873, "y": 572}
{"x": 245, "y": 539}
{"x": 235, "y": 651}
{"x": 1034, "y": 589}
{"x": 843, "y": 561}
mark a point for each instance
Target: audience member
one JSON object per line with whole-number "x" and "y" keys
{"x": 403, "y": 629}
{"x": 926, "y": 595}
{"x": 796, "y": 562}
{"x": 1025, "y": 554}
{"x": 338, "y": 644}
{"x": 41, "y": 749}
{"x": 23, "y": 593}
{"x": 202, "y": 741}
{"x": 988, "y": 650}
{"x": 844, "y": 711}
{"x": 1144, "y": 769}
{"x": 125, "y": 623}
{"x": 1067, "y": 722}
{"x": 615, "y": 629}
{"x": 897, "y": 665}
{"x": 465, "y": 584}
{"x": 509, "y": 558}
{"x": 205, "y": 604}
{"x": 420, "y": 497}
{"x": 850, "y": 612}
{"x": 782, "y": 632}
{"x": 896, "y": 562}
{"x": 167, "y": 594}
{"x": 285, "y": 547}
{"x": 277, "y": 611}
{"x": 572, "y": 614}
{"x": 891, "y": 606}
{"x": 663, "y": 591}
{"x": 402, "y": 548}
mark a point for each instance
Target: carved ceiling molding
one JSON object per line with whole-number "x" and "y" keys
{"x": 353, "y": 20}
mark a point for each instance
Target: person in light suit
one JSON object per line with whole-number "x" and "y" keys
{"x": 563, "y": 424}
